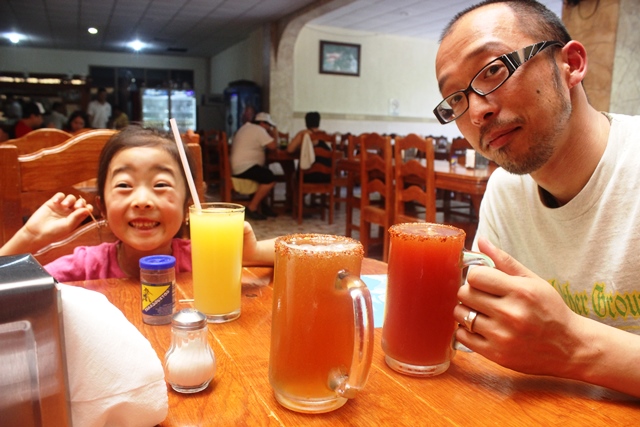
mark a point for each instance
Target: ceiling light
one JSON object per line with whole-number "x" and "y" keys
{"x": 14, "y": 37}
{"x": 136, "y": 45}
{"x": 92, "y": 30}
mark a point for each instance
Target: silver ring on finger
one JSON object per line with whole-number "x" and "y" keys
{"x": 469, "y": 320}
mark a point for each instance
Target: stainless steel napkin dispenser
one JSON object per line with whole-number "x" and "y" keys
{"x": 33, "y": 378}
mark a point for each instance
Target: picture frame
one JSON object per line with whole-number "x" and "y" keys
{"x": 339, "y": 58}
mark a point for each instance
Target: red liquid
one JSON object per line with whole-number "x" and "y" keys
{"x": 424, "y": 276}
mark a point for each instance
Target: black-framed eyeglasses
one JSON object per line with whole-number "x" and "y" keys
{"x": 489, "y": 78}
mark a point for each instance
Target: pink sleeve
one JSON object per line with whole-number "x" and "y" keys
{"x": 181, "y": 249}
{"x": 87, "y": 263}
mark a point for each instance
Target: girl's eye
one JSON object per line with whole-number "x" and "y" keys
{"x": 162, "y": 185}
{"x": 122, "y": 185}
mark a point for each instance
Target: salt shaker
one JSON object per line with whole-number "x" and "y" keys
{"x": 157, "y": 279}
{"x": 189, "y": 364}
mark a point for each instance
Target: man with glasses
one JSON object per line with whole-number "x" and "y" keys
{"x": 560, "y": 218}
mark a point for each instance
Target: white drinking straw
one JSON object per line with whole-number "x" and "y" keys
{"x": 185, "y": 164}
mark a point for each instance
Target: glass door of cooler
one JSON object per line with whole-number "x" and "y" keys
{"x": 183, "y": 109}
{"x": 155, "y": 108}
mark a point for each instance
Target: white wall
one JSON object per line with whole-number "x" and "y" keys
{"x": 25, "y": 59}
{"x": 391, "y": 67}
{"x": 242, "y": 61}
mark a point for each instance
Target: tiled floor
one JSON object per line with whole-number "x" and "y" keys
{"x": 284, "y": 223}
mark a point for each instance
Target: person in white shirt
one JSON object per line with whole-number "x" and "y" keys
{"x": 248, "y": 160}
{"x": 99, "y": 110}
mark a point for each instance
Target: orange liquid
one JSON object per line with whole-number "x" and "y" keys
{"x": 424, "y": 277}
{"x": 312, "y": 328}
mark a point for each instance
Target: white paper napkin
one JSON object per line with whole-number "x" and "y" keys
{"x": 115, "y": 376}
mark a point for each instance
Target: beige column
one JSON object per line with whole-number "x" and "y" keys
{"x": 595, "y": 23}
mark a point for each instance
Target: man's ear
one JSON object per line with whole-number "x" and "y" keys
{"x": 575, "y": 57}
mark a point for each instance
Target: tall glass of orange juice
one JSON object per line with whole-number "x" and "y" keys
{"x": 322, "y": 328}
{"x": 216, "y": 256}
{"x": 424, "y": 274}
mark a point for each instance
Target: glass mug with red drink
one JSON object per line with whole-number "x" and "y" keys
{"x": 425, "y": 271}
{"x": 322, "y": 328}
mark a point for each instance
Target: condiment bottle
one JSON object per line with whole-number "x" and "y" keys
{"x": 189, "y": 364}
{"x": 157, "y": 279}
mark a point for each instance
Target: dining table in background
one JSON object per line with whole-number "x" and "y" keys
{"x": 449, "y": 177}
{"x": 473, "y": 392}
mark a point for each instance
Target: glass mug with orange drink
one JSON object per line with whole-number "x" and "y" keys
{"x": 322, "y": 328}
{"x": 424, "y": 274}
{"x": 217, "y": 232}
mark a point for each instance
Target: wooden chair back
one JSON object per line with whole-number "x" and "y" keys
{"x": 414, "y": 178}
{"x": 324, "y": 189}
{"x": 352, "y": 150}
{"x": 459, "y": 147}
{"x": 38, "y": 139}
{"x": 211, "y": 157}
{"x": 30, "y": 180}
{"x": 376, "y": 177}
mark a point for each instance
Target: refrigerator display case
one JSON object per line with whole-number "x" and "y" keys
{"x": 160, "y": 105}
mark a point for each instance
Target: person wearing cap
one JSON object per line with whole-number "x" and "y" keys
{"x": 31, "y": 119}
{"x": 248, "y": 161}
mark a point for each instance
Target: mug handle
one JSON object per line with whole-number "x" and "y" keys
{"x": 471, "y": 258}
{"x": 347, "y": 385}
{"x": 475, "y": 258}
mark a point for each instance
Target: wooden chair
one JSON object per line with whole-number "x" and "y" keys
{"x": 38, "y": 139}
{"x": 227, "y": 191}
{"x": 28, "y": 181}
{"x": 455, "y": 203}
{"x": 353, "y": 180}
{"x": 376, "y": 177}
{"x": 414, "y": 178}
{"x": 323, "y": 189}
{"x": 211, "y": 157}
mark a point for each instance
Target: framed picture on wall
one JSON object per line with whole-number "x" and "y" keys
{"x": 339, "y": 58}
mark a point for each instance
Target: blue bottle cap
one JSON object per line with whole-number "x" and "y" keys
{"x": 157, "y": 262}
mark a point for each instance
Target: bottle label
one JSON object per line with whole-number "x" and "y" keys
{"x": 157, "y": 299}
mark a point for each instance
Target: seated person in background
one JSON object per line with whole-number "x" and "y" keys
{"x": 78, "y": 122}
{"x": 143, "y": 193}
{"x": 119, "y": 119}
{"x": 31, "y": 119}
{"x": 57, "y": 119}
{"x": 248, "y": 161}
{"x": 312, "y": 121}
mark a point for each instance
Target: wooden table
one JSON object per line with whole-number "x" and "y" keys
{"x": 473, "y": 392}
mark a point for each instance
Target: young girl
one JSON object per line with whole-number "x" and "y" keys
{"x": 143, "y": 192}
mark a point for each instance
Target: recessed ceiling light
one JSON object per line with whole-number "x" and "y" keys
{"x": 92, "y": 30}
{"x": 136, "y": 45}
{"x": 14, "y": 37}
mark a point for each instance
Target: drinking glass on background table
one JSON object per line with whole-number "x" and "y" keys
{"x": 424, "y": 274}
{"x": 216, "y": 254}
{"x": 322, "y": 328}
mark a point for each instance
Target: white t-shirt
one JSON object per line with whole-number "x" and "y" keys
{"x": 247, "y": 148}
{"x": 99, "y": 114}
{"x": 588, "y": 249}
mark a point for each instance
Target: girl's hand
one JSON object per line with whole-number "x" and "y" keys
{"x": 53, "y": 221}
